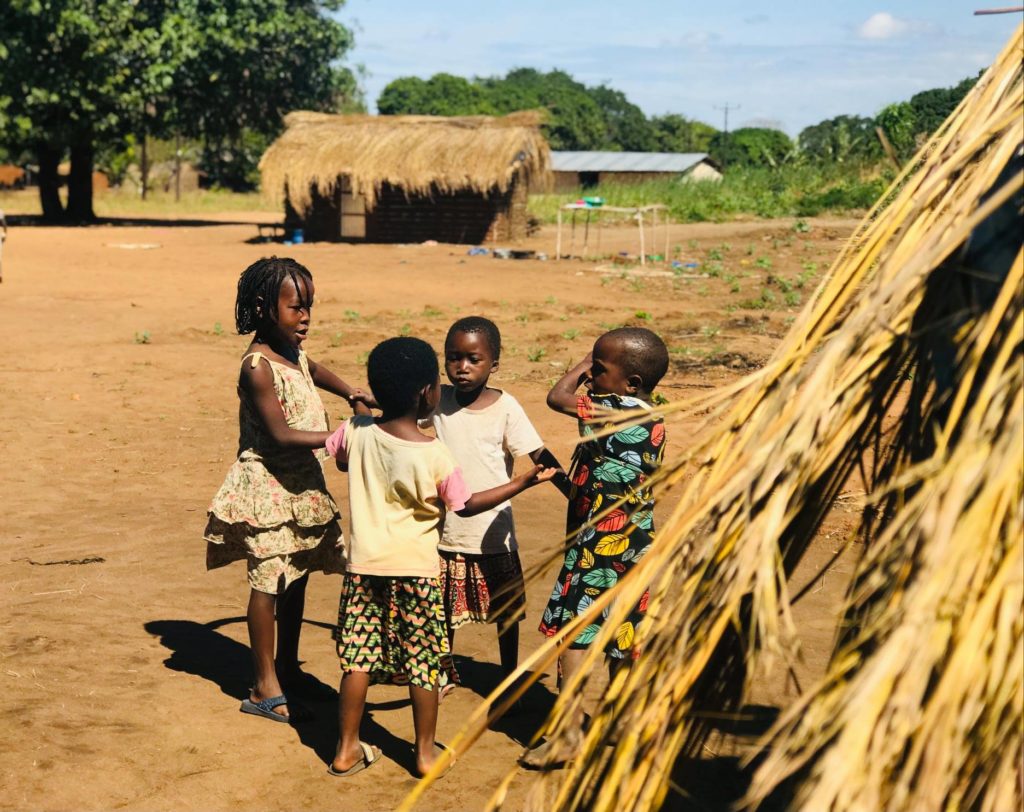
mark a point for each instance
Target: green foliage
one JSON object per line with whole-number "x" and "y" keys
{"x": 794, "y": 190}
{"x": 441, "y": 95}
{"x": 751, "y": 146}
{"x": 841, "y": 139}
{"x": 897, "y": 120}
{"x": 932, "y": 107}
{"x": 676, "y": 133}
{"x": 626, "y": 126}
{"x": 82, "y": 74}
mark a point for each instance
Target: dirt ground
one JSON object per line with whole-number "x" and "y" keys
{"x": 122, "y": 661}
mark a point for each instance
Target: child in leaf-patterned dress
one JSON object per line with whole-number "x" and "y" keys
{"x": 619, "y": 374}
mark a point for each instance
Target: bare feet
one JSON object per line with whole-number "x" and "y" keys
{"x": 344, "y": 762}
{"x": 553, "y": 754}
{"x": 426, "y": 760}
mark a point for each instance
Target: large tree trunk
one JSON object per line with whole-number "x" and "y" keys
{"x": 80, "y": 181}
{"x": 49, "y": 182}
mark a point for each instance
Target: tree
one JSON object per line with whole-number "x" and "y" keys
{"x": 676, "y": 133}
{"x": 900, "y": 126}
{"x": 78, "y": 73}
{"x": 840, "y": 139}
{"x": 932, "y": 107}
{"x": 441, "y": 95}
{"x": 575, "y": 121}
{"x": 751, "y": 146}
{"x": 626, "y": 126}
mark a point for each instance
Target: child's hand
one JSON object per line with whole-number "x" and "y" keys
{"x": 539, "y": 474}
{"x": 364, "y": 396}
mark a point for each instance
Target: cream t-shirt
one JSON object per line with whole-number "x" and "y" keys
{"x": 485, "y": 443}
{"x": 398, "y": 491}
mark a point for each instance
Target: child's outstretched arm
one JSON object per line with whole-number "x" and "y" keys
{"x": 328, "y": 381}
{"x": 258, "y": 381}
{"x": 546, "y": 459}
{"x": 492, "y": 497}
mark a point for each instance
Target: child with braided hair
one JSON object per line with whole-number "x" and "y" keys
{"x": 273, "y": 510}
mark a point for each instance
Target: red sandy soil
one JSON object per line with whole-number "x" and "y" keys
{"x": 122, "y": 661}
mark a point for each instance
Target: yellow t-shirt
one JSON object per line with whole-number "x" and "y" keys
{"x": 398, "y": 492}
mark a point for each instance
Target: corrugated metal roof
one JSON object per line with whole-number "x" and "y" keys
{"x": 625, "y": 161}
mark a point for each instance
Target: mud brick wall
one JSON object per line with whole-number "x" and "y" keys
{"x": 460, "y": 217}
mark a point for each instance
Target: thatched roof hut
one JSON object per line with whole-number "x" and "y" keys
{"x": 407, "y": 177}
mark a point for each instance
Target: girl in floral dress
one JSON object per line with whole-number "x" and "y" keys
{"x": 273, "y": 510}
{"x": 619, "y": 374}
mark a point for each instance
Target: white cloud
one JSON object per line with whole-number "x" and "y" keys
{"x": 883, "y": 26}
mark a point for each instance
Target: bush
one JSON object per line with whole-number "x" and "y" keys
{"x": 800, "y": 190}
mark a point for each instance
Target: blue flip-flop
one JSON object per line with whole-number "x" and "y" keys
{"x": 265, "y": 708}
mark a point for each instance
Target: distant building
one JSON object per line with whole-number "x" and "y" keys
{"x": 583, "y": 170}
{"x": 407, "y": 178}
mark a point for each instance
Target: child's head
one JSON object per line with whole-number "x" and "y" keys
{"x": 628, "y": 361}
{"x": 403, "y": 375}
{"x": 275, "y": 294}
{"x": 471, "y": 351}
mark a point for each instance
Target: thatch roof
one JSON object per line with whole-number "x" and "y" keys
{"x": 420, "y": 154}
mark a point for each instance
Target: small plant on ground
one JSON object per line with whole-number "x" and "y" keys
{"x": 801, "y": 227}
{"x": 715, "y": 254}
{"x": 763, "y": 303}
{"x": 763, "y": 262}
{"x": 550, "y": 300}
{"x": 523, "y": 318}
{"x": 143, "y": 337}
{"x": 535, "y": 355}
{"x": 218, "y": 329}
{"x": 363, "y": 357}
{"x": 432, "y": 312}
{"x": 643, "y": 315}
{"x": 570, "y": 334}
{"x": 336, "y": 340}
{"x": 792, "y": 298}
{"x": 352, "y": 315}
{"x": 405, "y": 329}
{"x": 709, "y": 331}
{"x": 713, "y": 269}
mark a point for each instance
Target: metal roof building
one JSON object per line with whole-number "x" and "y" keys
{"x": 574, "y": 170}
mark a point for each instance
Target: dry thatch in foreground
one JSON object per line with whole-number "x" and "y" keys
{"x": 923, "y": 705}
{"x": 420, "y": 154}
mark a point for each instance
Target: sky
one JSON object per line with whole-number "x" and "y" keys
{"x": 783, "y": 64}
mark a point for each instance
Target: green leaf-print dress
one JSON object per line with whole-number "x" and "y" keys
{"x": 607, "y": 472}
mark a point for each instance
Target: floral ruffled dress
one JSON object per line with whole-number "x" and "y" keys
{"x": 273, "y": 510}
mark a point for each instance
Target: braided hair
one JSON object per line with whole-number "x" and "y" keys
{"x": 259, "y": 287}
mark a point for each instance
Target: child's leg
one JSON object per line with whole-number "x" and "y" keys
{"x": 424, "y": 720}
{"x": 553, "y": 754}
{"x": 508, "y": 647}
{"x": 290, "y": 607}
{"x": 351, "y": 701}
{"x": 260, "y": 620}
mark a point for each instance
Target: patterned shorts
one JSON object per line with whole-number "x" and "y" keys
{"x": 393, "y": 629}
{"x": 484, "y": 588}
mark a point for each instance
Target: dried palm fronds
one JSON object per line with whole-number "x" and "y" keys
{"x": 420, "y": 154}
{"x": 799, "y": 428}
{"x": 922, "y": 707}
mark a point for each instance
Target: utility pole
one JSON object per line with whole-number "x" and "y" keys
{"x": 725, "y": 129}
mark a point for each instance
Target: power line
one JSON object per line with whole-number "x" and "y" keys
{"x": 725, "y": 130}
